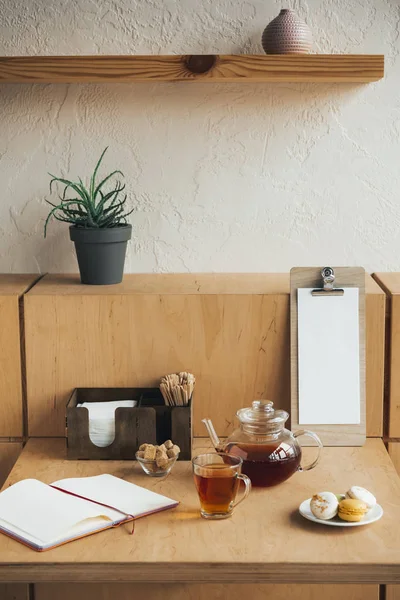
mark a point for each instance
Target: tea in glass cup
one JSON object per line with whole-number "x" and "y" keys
{"x": 217, "y": 478}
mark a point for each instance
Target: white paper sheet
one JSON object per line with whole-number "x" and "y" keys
{"x": 46, "y": 513}
{"x": 112, "y": 491}
{"x": 328, "y": 358}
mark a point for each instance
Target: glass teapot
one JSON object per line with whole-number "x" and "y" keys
{"x": 270, "y": 453}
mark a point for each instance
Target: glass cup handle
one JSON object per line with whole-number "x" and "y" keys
{"x": 247, "y": 483}
{"x": 314, "y": 436}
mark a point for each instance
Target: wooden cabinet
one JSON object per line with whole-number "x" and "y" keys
{"x": 231, "y": 331}
{"x": 14, "y": 591}
{"x": 12, "y": 288}
{"x": 204, "y": 592}
{"x": 375, "y": 306}
{"x": 393, "y": 592}
{"x": 9, "y": 452}
{"x": 394, "y": 453}
{"x": 390, "y": 282}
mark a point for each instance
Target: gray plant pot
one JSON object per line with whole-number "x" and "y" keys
{"x": 101, "y": 253}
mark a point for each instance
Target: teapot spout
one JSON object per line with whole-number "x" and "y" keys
{"x": 213, "y": 434}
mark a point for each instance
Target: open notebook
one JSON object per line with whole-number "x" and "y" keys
{"x": 45, "y": 516}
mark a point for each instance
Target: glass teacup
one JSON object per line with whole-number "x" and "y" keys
{"x": 217, "y": 477}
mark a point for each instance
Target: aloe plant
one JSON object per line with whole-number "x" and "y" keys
{"x": 92, "y": 207}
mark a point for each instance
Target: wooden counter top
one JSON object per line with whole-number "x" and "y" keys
{"x": 177, "y": 283}
{"x": 12, "y": 284}
{"x": 266, "y": 540}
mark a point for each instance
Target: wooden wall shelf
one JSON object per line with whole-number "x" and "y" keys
{"x": 339, "y": 68}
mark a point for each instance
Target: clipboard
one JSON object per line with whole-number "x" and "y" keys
{"x": 327, "y": 344}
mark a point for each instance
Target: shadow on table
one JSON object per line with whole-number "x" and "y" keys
{"x": 297, "y": 520}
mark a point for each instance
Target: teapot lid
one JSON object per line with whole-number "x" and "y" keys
{"x": 262, "y": 416}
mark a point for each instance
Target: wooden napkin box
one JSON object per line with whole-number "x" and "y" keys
{"x": 150, "y": 421}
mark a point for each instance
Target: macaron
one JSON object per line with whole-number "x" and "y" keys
{"x": 324, "y": 505}
{"x": 351, "y": 509}
{"x": 360, "y": 493}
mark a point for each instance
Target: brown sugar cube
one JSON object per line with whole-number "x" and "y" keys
{"x": 162, "y": 460}
{"x": 143, "y": 447}
{"x": 161, "y": 455}
{"x": 174, "y": 451}
{"x": 150, "y": 452}
{"x": 161, "y": 448}
{"x": 152, "y": 467}
{"x": 140, "y": 454}
{"x": 168, "y": 444}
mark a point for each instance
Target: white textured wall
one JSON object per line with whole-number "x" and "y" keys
{"x": 251, "y": 177}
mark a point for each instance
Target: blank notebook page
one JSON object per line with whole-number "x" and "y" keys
{"x": 328, "y": 358}
{"x": 81, "y": 529}
{"x": 45, "y": 513}
{"x": 112, "y": 491}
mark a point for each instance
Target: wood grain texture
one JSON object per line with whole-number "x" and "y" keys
{"x": 9, "y": 452}
{"x": 149, "y": 422}
{"x": 231, "y": 330}
{"x": 90, "y": 591}
{"x": 11, "y": 405}
{"x": 392, "y": 592}
{"x": 12, "y": 287}
{"x": 310, "y": 277}
{"x": 235, "y": 344}
{"x": 12, "y": 284}
{"x": 166, "y": 284}
{"x": 390, "y": 282}
{"x": 223, "y": 68}
{"x": 394, "y": 369}
{"x": 394, "y": 453}
{"x": 252, "y": 547}
{"x": 14, "y": 591}
{"x": 375, "y": 322}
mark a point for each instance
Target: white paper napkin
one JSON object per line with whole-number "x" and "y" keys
{"x": 102, "y": 420}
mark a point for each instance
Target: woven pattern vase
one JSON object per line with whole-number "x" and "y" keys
{"x": 287, "y": 34}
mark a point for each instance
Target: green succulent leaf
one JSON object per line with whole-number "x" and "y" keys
{"x": 53, "y": 212}
{"x": 94, "y": 206}
{"x": 110, "y": 197}
{"x": 100, "y": 185}
{"x": 93, "y": 178}
{"x": 68, "y": 184}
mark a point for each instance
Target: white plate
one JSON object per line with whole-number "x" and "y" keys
{"x": 373, "y": 515}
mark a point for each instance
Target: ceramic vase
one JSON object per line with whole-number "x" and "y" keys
{"x": 287, "y": 34}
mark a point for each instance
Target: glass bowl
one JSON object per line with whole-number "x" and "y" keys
{"x": 150, "y": 466}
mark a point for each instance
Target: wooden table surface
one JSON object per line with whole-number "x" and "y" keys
{"x": 266, "y": 540}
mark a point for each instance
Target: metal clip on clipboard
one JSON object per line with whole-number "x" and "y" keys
{"x": 328, "y": 279}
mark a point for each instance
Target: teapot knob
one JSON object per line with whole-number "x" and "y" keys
{"x": 264, "y": 405}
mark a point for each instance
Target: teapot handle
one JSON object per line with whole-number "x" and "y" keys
{"x": 314, "y": 436}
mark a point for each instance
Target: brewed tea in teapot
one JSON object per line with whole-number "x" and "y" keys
{"x": 270, "y": 453}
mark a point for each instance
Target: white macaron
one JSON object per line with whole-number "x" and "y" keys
{"x": 359, "y": 493}
{"x": 324, "y": 505}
